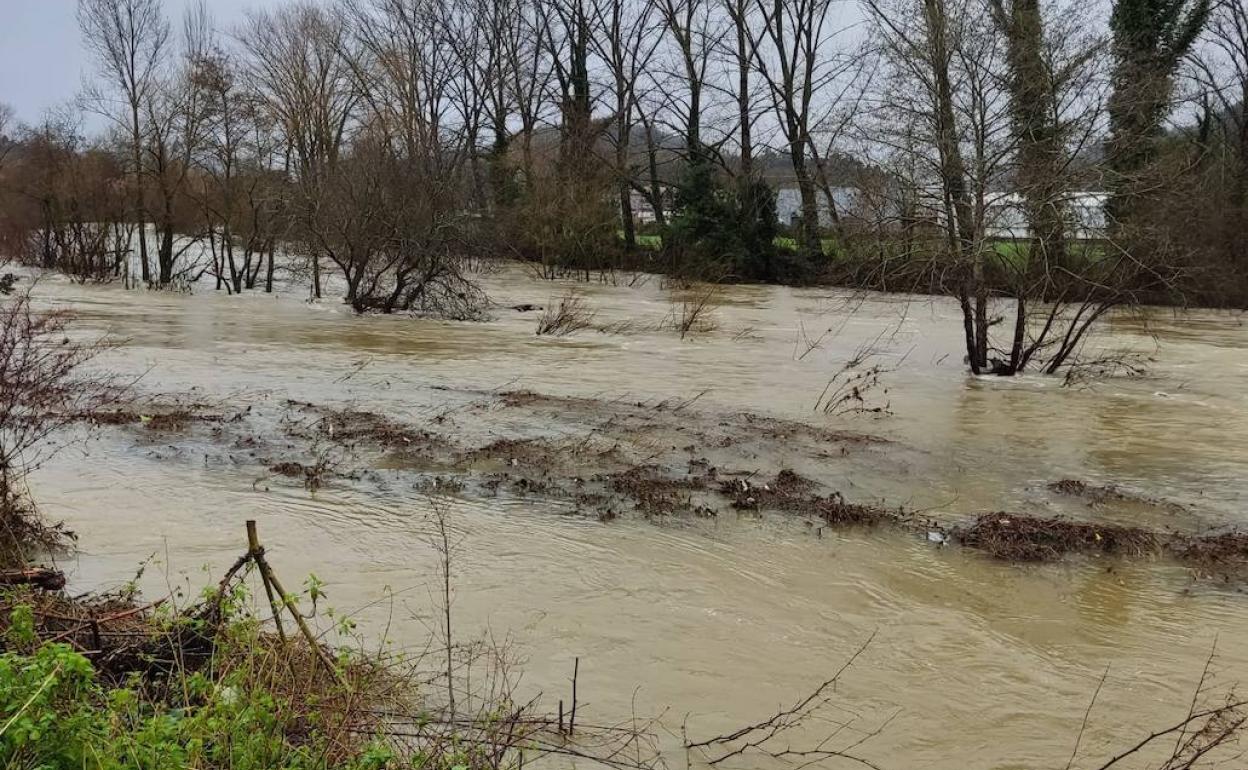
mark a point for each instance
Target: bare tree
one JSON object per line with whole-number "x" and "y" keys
{"x": 44, "y": 387}
{"x": 393, "y": 212}
{"x": 128, "y": 40}
{"x": 922, "y": 45}
{"x": 795, "y": 56}
{"x": 62, "y": 211}
{"x": 295, "y": 64}
{"x": 237, "y": 174}
{"x": 692, "y": 26}
{"x": 174, "y": 115}
{"x": 626, "y": 46}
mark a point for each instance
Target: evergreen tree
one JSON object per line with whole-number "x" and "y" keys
{"x": 1150, "y": 39}
{"x": 722, "y": 229}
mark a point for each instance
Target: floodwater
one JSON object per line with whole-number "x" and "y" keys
{"x": 973, "y": 663}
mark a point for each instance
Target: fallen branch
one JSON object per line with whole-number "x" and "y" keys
{"x": 40, "y": 577}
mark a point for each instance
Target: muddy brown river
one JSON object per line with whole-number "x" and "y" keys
{"x": 974, "y": 663}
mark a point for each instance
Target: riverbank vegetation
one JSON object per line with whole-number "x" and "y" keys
{"x": 1043, "y": 165}
{"x": 45, "y": 384}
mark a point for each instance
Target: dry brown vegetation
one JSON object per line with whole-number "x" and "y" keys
{"x": 567, "y": 315}
{"x": 693, "y": 315}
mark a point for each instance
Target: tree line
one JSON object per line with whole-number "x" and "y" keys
{"x": 379, "y": 143}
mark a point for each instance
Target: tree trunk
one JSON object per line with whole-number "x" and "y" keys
{"x": 140, "y": 209}
{"x": 626, "y": 216}
{"x": 962, "y": 229}
{"x": 165, "y": 253}
{"x": 624, "y": 188}
{"x": 743, "y": 91}
{"x": 268, "y": 274}
{"x": 812, "y": 245}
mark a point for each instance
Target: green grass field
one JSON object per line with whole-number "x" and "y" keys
{"x": 1016, "y": 253}
{"x": 655, "y": 241}
{"x": 1012, "y": 253}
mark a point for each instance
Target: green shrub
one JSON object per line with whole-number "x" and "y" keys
{"x": 56, "y": 715}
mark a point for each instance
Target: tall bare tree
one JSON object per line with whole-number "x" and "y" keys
{"x": 296, "y": 65}
{"x": 627, "y": 43}
{"x": 128, "y": 40}
{"x": 795, "y": 55}
{"x": 924, "y": 48}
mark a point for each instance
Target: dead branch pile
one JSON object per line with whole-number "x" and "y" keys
{"x": 1096, "y": 494}
{"x": 1223, "y": 555}
{"x": 39, "y": 577}
{"x": 24, "y": 532}
{"x": 1021, "y": 538}
{"x": 654, "y": 493}
{"x": 118, "y": 635}
{"x": 171, "y": 419}
{"x": 350, "y": 427}
{"x": 1029, "y": 538}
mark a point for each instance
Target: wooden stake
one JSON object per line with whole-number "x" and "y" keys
{"x": 267, "y": 573}
{"x": 256, "y": 552}
{"x": 576, "y": 668}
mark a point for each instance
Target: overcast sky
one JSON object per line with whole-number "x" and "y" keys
{"x": 41, "y": 58}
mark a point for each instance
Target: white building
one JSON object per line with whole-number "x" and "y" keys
{"x": 789, "y": 204}
{"x": 1085, "y": 216}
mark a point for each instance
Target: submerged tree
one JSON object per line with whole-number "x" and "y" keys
{"x": 61, "y": 210}
{"x": 937, "y": 111}
{"x": 295, "y": 64}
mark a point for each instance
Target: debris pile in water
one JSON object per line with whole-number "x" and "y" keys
{"x": 653, "y": 492}
{"x": 1101, "y": 494}
{"x": 666, "y": 458}
{"x": 1031, "y": 538}
{"x": 794, "y": 493}
{"x": 158, "y": 415}
{"x": 1222, "y": 555}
